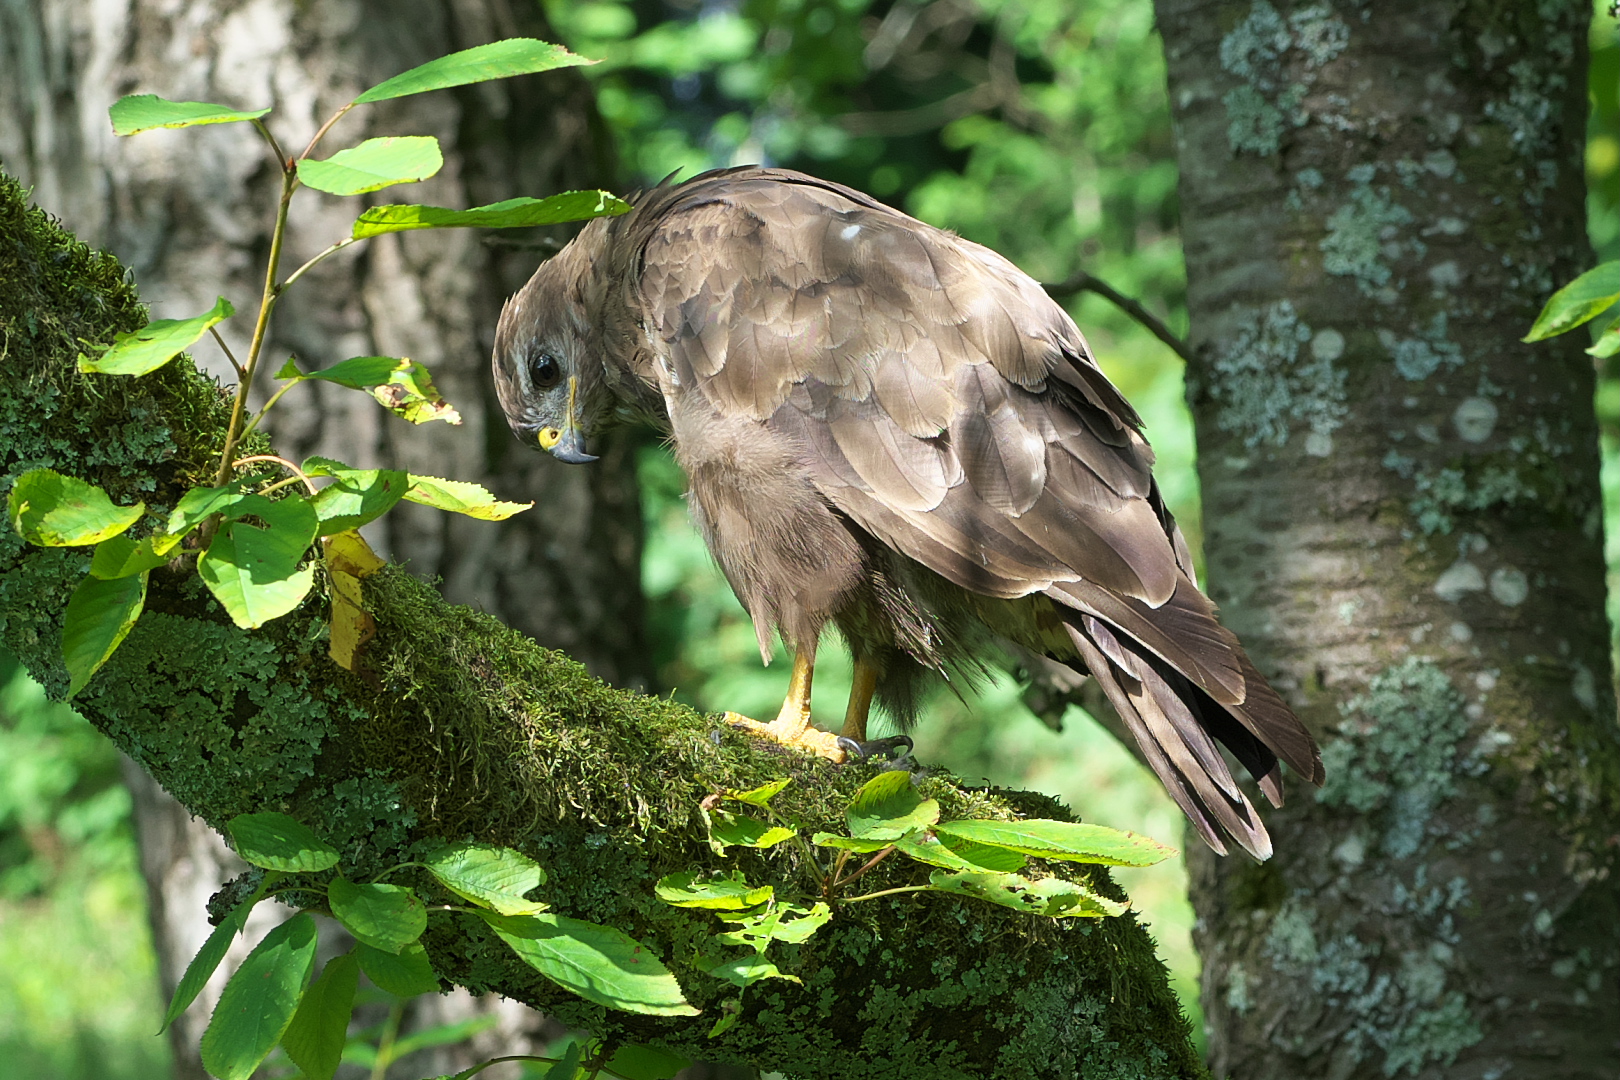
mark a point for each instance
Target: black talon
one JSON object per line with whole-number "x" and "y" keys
{"x": 895, "y": 746}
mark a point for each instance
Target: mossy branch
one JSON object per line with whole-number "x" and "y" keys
{"x": 465, "y": 729}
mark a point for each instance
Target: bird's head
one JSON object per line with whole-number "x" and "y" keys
{"x": 549, "y": 384}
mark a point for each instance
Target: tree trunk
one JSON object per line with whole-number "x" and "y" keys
{"x": 1403, "y": 524}
{"x": 190, "y": 213}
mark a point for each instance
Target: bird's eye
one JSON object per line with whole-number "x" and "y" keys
{"x": 544, "y": 371}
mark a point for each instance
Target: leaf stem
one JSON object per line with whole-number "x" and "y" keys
{"x": 333, "y": 250}
{"x": 321, "y": 134}
{"x": 284, "y": 463}
{"x": 891, "y": 892}
{"x": 275, "y": 397}
{"x": 873, "y": 861}
{"x": 267, "y": 303}
{"x": 1080, "y": 282}
{"x": 227, "y": 350}
{"x": 468, "y": 1074}
{"x": 275, "y": 147}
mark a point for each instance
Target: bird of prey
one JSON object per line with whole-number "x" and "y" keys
{"x": 895, "y": 431}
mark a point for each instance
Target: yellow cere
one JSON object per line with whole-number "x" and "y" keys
{"x": 549, "y": 437}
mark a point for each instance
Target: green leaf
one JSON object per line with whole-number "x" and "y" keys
{"x": 99, "y": 616}
{"x": 985, "y": 856}
{"x": 260, "y": 1000}
{"x": 492, "y": 877}
{"x": 314, "y": 1040}
{"x": 121, "y": 556}
{"x": 52, "y": 510}
{"x": 745, "y": 971}
{"x": 848, "y": 843}
{"x": 1608, "y": 340}
{"x": 762, "y": 795}
{"x": 136, "y": 113}
{"x": 443, "y": 1034}
{"x": 738, "y": 830}
{"x": 387, "y": 917}
{"x": 197, "y": 504}
{"x": 404, "y": 975}
{"x": 568, "y": 1067}
{"x": 461, "y": 497}
{"x": 934, "y": 853}
{"x": 357, "y": 496}
{"x": 637, "y": 1062}
{"x": 1065, "y": 840}
{"x": 357, "y": 372}
{"x": 1052, "y": 896}
{"x": 399, "y": 384}
{"x": 203, "y": 965}
{"x": 1584, "y": 298}
{"x": 374, "y": 164}
{"x": 756, "y": 931}
{"x": 137, "y": 352}
{"x": 888, "y": 806}
{"x": 253, "y": 572}
{"x": 723, "y": 892}
{"x": 730, "y": 1013}
{"x": 497, "y": 60}
{"x": 598, "y": 963}
{"x": 278, "y": 842}
{"x": 508, "y": 214}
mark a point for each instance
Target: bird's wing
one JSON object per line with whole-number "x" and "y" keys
{"x": 945, "y": 404}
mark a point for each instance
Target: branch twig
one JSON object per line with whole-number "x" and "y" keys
{"x": 1080, "y": 282}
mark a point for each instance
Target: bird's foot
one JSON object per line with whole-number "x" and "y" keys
{"x": 895, "y": 746}
{"x": 799, "y": 735}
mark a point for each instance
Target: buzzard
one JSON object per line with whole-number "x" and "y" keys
{"x": 893, "y": 430}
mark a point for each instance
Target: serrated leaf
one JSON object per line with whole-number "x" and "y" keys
{"x": 314, "y": 1040}
{"x": 1051, "y": 897}
{"x": 1582, "y": 299}
{"x": 278, "y": 842}
{"x": 722, "y": 892}
{"x": 100, "y": 614}
{"x": 482, "y": 63}
{"x": 507, "y": 214}
{"x": 934, "y": 853}
{"x": 399, "y": 384}
{"x": 404, "y": 975}
{"x": 762, "y": 795}
{"x": 121, "y": 556}
{"x": 460, "y": 497}
{"x": 888, "y": 806}
{"x": 637, "y": 1062}
{"x": 745, "y": 971}
{"x": 138, "y": 352}
{"x": 51, "y": 510}
{"x": 738, "y": 830}
{"x": 358, "y": 496}
{"x": 374, "y": 165}
{"x": 1066, "y": 840}
{"x": 598, "y": 963}
{"x": 985, "y": 856}
{"x": 848, "y": 843}
{"x": 757, "y": 931}
{"x": 260, "y": 1000}
{"x": 386, "y": 917}
{"x": 358, "y": 373}
{"x": 206, "y": 962}
{"x": 252, "y": 571}
{"x": 492, "y": 877}
{"x": 136, "y": 113}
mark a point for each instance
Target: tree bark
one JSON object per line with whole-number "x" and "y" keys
{"x": 469, "y": 729}
{"x": 190, "y": 213}
{"x": 1403, "y": 524}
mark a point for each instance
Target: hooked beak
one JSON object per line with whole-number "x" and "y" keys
{"x": 568, "y": 444}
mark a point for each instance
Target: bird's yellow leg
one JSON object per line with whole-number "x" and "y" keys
{"x": 860, "y": 700}
{"x": 792, "y": 725}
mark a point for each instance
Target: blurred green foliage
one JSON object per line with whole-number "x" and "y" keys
{"x": 1603, "y": 224}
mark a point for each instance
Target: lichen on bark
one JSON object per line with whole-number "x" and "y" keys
{"x": 466, "y": 729}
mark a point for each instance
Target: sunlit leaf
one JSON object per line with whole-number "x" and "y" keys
{"x": 374, "y": 164}
{"x": 1051, "y": 897}
{"x": 508, "y": 214}
{"x": 637, "y": 1062}
{"x": 1582, "y": 299}
{"x": 722, "y": 892}
{"x": 349, "y": 560}
{"x": 888, "y": 806}
{"x": 492, "y": 877}
{"x": 387, "y": 917}
{"x": 404, "y": 975}
{"x": 1067, "y": 840}
{"x": 100, "y": 614}
{"x": 399, "y": 384}
{"x": 461, "y": 497}
{"x": 260, "y": 1000}
{"x": 52, "y": 510}
{"x": 780, "y": 922}
{"x": 744, "y": 972}
{"x": 358, "y": 496}
{"x": 136, "y": 113}
{"x": 278, "y": 842}
{"x": 197, "y": 504}
{"x": 598, "y": 963}
{"x": 314, "y": 1040}
{"x": 861, "y": 845}
{"x": 253, "y": 571}
{"x": 738, "y": 830}
{"x": 934, "y": 853}
{"x": 121, "y": 556}
{"x": 137, "y": 352}
{"x": 762, "y": 795}
{"x": 497, "y": 60}
{"x": 206, "y": 962}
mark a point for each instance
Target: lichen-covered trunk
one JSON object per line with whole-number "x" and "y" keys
{"x": 1403, "y": 523}
{"x": 190, "y": 212}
